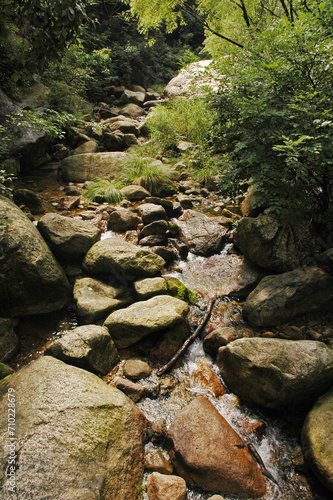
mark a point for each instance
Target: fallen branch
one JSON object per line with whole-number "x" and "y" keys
{"x": 259, "y": 460}
{"x": 188, "y": 341}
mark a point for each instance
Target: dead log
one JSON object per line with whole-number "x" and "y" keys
{"x": 189, "y": 341}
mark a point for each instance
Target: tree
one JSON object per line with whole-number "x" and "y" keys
{"x": 33, "y": 32}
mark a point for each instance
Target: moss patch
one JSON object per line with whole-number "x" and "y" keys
{"x": 177, "y": 289}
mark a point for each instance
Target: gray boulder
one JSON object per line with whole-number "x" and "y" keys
{"x": 151, "y": 212}
{"x": 69, "y": 239}
{"x": 9, "y": 343}
{"x": 89, "y": 347}
{"x": 276, "y": 373}
{"x": 317, "y": 439}
{"x": 95, "y": 300}
{"x": 204, "y": 235}
{"x": 129, "y": 96}
{"x": 134, "y": 192}
{"x": 87, "y": 166}
{"x": 133, "y": 110}
{"x": 31, "y": 280}
{"x": 128, "y": 326}
{"x": 122, "y": 220}
{"x": 156, "y": 227}
{"x": 270, "y": 245}
{"x": 208, "y": 453}
{"x": 278, "y": 299}
{"x": 77, "y": 437}
{"x": 115, "y": 256}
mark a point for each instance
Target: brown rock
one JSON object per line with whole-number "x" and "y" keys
{"x": 123, "y": 219}
{"x": 162, "y": 487}
{"x": 208, "y": 453}
{"x": 135, "y": 369}
{"x": 156, "y": 461}
{"x": 220, "y": 337}
{"x": 205, "y": 378}
{"x": 131, "y": 389}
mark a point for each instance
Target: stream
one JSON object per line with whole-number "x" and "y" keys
{"x": 275, "y": 437}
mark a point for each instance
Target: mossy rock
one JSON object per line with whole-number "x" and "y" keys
{"x": 167, "y": 190}
{"x": 177, "y": 289}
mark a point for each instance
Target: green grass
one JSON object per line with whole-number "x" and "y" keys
{"x": 104, "y": 188}
{"x": 146, "y": 172}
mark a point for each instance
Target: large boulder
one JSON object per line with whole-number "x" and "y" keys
{"x": 276, "y": 373}
{"x": 87, "y": 166}
{"x": 31, "y": 280}
{"x": 204, "y": 235}
{"x": 29, "y": 199}
{"x": 115, "y": 256}
{"x": 317, "y": 439}
{"x": 69, "y": 239}
{"x": 271, "y": 245}
{"x": 77, "y": 437}
{"x": 95, "y": 300}
{"x": 128, "y": 326}
{"x": 195, "y": 79}
{"x": 208, "y": 453}
{"x": 89, "y": 347}
{"x": 278, "y": 299}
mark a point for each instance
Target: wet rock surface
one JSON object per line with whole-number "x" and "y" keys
{"x": 204, "y": 235}
{"x": 208, "y": 453}
{"x": 276, "y": 373}
{"x": 165, "y": 487}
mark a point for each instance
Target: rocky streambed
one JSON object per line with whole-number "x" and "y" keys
{"x": 234, "y": 417}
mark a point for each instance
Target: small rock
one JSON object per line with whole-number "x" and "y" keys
{"x": 135, "y": 369}
{"x": 154, "y": 240}
{"x": 29, "y": 199}
{"x": 149, "y": 287}
{"x": 167, "y": 253}
{"x": 165, "y": 487}
{"x": 159, "y": 227}
{"x": 132, "y": 237}
{"x": 131, "y": 389}
{"x": 156, "y": 461}
{"x": 185, "y": 201}
{"x": 69, "y": 203}
{"x": 220, "y": 337}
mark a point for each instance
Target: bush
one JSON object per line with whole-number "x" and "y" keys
{"x": 275, "y": 120}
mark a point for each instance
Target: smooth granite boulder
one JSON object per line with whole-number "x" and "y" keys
{"x": 31, "y": 280}
{"x": 128, "y": 326}
{"x": 276, "y": 373}
{"x": 77, "y": 437}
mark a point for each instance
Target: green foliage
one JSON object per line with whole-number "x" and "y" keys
{"x": 276, "y": 121}
{"x": 34, "y": 32}
{"x": 50, "y": 121}
{"x": 107, "y": 189}
{"x": 187, "y": 58}
{"x": 3, "y": 141}
{"x": 181, "y": 119}
{"x": 146, "y": 172}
